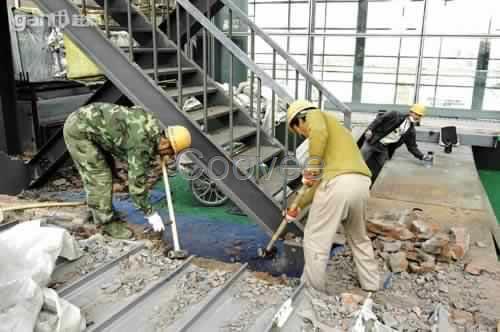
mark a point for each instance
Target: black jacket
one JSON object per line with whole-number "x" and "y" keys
{"x": 385, "y": 124}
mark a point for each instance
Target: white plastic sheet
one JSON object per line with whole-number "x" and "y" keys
{"x": 28, "y": 254}
{"x": 366, "y": 321}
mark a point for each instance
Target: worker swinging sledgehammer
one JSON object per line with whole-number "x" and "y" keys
{"x": 97, "y": 131}
{"x": 340, "y": 188}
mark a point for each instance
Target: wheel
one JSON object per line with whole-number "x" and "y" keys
{"x": 206, "y": 192}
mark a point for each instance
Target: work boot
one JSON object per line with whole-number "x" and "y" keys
{"x": 118, "y": 230}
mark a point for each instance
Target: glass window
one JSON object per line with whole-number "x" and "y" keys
{"x": 460, "y": 47}
{"x": 298, "y": 44}
{"x": 404, "y": 94}
{"x": 426, "y": 95}
{"x": 491, "y": 100}
{"x": 380, "y": 65}
{"x": 377, "y": 93}
{"x": 410, "y": 46}
{"x": 341, "y": 15}
{"x": 382, "y": 46}
{"x": 454, "y": 97}
{"x": 458, "y": 16}
{"x": 340, "y": 45}
{"x": 341, "y": 90}
{"x": 457, "y": 72}
{"x": 271, "y": 15}
{"x": 299, "y": 15}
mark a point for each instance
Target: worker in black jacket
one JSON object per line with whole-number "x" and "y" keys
{"x": 387, "y": 133}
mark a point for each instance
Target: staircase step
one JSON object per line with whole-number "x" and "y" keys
{"x": 170, "y": 71}
{"x": 121, "y": 10}
{"x": 190, "y": 91}
{"x": 142, "y": 50}
{"x": 214, "y": 112}
{"x": 125, "y": 29}
{"x": 248, "y": 158}
{"x": 222, "y": 136}
{"x": 272, "y": 183}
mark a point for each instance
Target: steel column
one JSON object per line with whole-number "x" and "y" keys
{"x": 359, "y": 57}
{"x": 420, "y": 54}
{"x": 310, "y": 45}
{"x": 483, "y": 59}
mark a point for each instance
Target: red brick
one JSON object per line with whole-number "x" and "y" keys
{"x": 436, "y": 244}
{"x": 460, "y": 240}
{"x": 389, "y": 230}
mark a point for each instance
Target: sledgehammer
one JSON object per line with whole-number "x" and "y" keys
{"x": 177, "y": 253}
{"x": 270, "y": 250}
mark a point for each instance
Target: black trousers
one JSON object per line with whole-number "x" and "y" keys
{"x": 375, "y": 157}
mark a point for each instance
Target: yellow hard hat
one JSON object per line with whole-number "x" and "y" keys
{"x": 418, "y": 109}
{"x": 179, "y": 137}
{"x": 296, "y": 107}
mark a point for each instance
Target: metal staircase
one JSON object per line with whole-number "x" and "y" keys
{"x": 159, "y": 76}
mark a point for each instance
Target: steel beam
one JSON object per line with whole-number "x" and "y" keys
{"x": 9, "y": 140}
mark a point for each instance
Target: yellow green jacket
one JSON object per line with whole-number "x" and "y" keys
{"x": 332, "y": 147}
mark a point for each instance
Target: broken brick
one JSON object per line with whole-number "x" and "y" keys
{"x": 423, "y": 229}
{"x": 424, "y": 257}
{"x": 424, "y": 267}
{"x": 389, "y": 230}
{"x": 398, "y": 262}
{"x": 460, "y": 239}
{"x": 391, "y": 246}
{"x": 351, "y": 301}
{"x": 461, "y": 317}
{"x": 473, "y": 269}
{"x": 435, "y": 244}
{"x": 411, "y": 255}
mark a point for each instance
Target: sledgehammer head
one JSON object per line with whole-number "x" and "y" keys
{"x": 264, "y": 253}
{"x": 178, "y": 254}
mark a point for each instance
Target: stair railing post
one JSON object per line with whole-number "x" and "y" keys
{"x": 231, "y": 78}
{"x": 296, "y": 97}
{"x": 320, "y": 99}
{"x": 205, "y": 96}
{"x": 252, "y": 74}
{"x": 179, "y": 56}
{"x": 273, "y": 98}
{"x": 84, "y": 7}
{"x": 155, "y": 41}
{"x": 106, "y": 17}
{"x": 259, "y": 104}
{"x": 130, "y": 32}
{"x": 188, "y": 35}
{"x": 168, "y": 20}
{"x": 210, "y": 47}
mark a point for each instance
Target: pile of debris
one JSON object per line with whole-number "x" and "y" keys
{"x": 416, "y": 246}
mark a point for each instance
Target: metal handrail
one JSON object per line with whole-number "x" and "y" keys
{"x": 308, "y": 76}
{"x": 235, "y": 50}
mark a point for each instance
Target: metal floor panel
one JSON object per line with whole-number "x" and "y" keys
{"x": 293, "y": 323}
{"x": 219, "y": 308}
{"x": 98, "y": 307}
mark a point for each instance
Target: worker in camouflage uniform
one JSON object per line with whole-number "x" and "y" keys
{"x": 98, "y": 131}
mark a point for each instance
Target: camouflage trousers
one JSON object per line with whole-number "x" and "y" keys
{"x": 94, "y": 169}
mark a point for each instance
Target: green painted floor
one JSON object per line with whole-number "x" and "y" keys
{"x": 185, "y": 204}
{"x": 491, "y": 182}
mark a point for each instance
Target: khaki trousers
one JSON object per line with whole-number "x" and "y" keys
{"x": 342, "y": 199}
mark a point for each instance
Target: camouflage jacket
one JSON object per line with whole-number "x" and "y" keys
{"x": 129, "y": 134}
